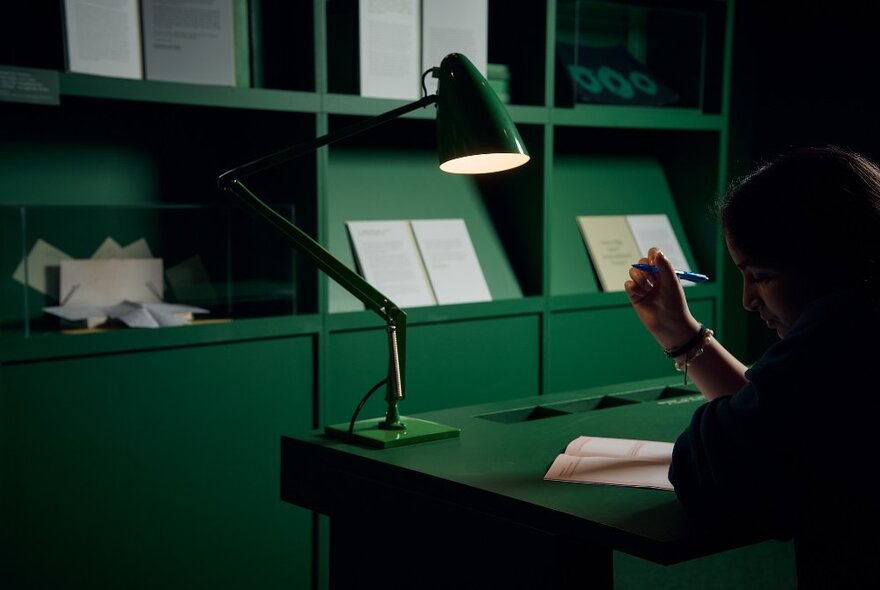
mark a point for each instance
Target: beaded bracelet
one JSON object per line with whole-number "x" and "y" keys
{"x": 687, "y": 346}
{"x": 694, "y": 353}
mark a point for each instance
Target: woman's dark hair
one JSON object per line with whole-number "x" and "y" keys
{"x": 815, "y": 207}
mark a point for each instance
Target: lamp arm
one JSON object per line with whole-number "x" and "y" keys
{"x": 323, "y": 258}
{"x": 339, "y": 272}
{"x": 287, "y": 154}
{"x": 395, "y": 318}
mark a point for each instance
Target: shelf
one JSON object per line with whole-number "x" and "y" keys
{"x": 100, "y": 87}
{"x": 619, "y": 298}
{"x": 54, "y": 346}
{"x": 350, "y": 104}
{"x": 612, "y": 116}
{"x": 626, "y": 117}
{"x": 520, "y": 218}
{"x": 364, "y": 320}
{"x": 86, "y": 86}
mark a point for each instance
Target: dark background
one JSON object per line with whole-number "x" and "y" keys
{"x": 804, "y": 73}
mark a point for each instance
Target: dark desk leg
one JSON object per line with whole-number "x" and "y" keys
{"x": 462, "y": 550}
{"x": 581, "y": 566}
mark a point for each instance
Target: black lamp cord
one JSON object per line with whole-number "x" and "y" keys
{"x": 432, "y": 71}
{"x": 357, "y": 410}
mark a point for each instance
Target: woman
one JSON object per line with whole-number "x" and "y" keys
{"x": 788, "y": 446}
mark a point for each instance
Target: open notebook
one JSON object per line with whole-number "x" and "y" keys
{"x": 614, "y": 461}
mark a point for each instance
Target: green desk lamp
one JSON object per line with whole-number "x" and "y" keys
{"x": 475, "y": 135}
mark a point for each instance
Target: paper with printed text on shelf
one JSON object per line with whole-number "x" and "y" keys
{"x": 611, "y": 246}
{"x": 389, "y": 49}
{"x": 656, "y": 231}
{"x": 616, "y": 242}
{"x": 454, "y": 26}
{"x": 614, "y": 461}
{"x": 103, "y": 38}
{"x": 419, "y": 262}
{"x": 191, "y": 41}
{"x": 388, "y": 258}
{"x": 451, "y": 261}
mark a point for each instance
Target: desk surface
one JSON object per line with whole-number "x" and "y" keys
{"x": 497, "y": 466}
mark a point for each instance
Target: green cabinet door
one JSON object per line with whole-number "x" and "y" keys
{"x": 155, "y": 469}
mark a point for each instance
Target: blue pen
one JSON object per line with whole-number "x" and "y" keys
{"x": 682, "y": 274}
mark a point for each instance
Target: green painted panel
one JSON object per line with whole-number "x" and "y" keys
{"x": 448, "y": 365}
{"x": 60, "y": 173}
{"x": 604, "y": 346}
{"x": 12, "y": 251}
{"x": 155, "y": 469}
{"x": 381, "y": 184}
{"x": 600, "y": 185}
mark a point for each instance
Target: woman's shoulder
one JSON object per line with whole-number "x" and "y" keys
{"x": 827, "y": 347}
{"x": 841, "y": 310}
{"x": 836, "y": 322}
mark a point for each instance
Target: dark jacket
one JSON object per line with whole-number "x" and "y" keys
{"x": 793, "y": 453}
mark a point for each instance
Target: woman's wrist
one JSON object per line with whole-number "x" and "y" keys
{"x": 685, "y": 354}
{"x": 689, "y": 345}
{"x": 684, "y": 360}
{"x": 678, "y": 337}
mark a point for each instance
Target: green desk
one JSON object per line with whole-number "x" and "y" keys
{"x": 475, "y": 511}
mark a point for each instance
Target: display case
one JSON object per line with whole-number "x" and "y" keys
{"x": 620, "y": 53}
{"x": 217, "y": 258}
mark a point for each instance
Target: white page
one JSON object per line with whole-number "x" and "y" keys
{"x": 152, "y": 315}
{"x": 389, "y": 49}
{"x": 134, "y": 315}
{"x": 78, "y": 313}
{"x": 43, "y": 268}
{"x": 450, "y": 260}
{"x": 109, "y": 248}
{"x": 103, "y": 38}
{"x": 614, "y": 461}
{"x": 189, "y": 41}
{"x": 98, "y": 282}
{"x": 610, "y": 471}
{"x": 647, "y": 450}
{"x": 656, "y": 230}
{"x": 137, "y": 249}
{"x": 388, "y": 259}
{"x": 454, "y": 26}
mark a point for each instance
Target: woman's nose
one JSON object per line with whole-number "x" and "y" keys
{"x": 750, "y": 299}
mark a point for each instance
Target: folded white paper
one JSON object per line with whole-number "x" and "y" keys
{"x": 132, "y": 314}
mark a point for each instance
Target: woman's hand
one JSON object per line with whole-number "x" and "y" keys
{"x": 658, "y": 299}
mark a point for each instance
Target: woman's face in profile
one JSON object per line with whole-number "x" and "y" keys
{"x": 779, "y": 295}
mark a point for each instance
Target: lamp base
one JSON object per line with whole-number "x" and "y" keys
{"x": 367, "y": 432}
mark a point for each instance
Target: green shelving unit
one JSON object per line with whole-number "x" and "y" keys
{"x": 202, "y": 407}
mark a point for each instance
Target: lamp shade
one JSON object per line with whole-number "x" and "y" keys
{"x": 475, "y": 134}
